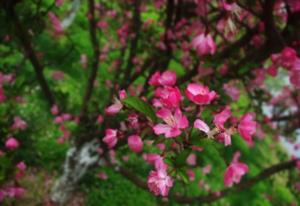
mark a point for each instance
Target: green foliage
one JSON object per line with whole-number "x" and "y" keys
{"x": 140, "y": 106}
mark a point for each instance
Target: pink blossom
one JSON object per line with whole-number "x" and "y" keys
{"x": 110, "y": 138}
{"x": 167, "y": 78}
{"x": 54, "y": 110}
{"x": 2, "y": 95}
{"x": 272, "y": 71}
{"x": 206, "y": 170}
{"x": 133, "y": 121}
{"x": 58, "y": 75}
{"x": 154, "y": 79}
{"x": 55, "y": 23}
{"x": 288, "y": 56}
{"x": 58, "y": 3}
{"x": 159, "y": 182}
{"x": 19, "y": 123}
{"x": 58, "y": 120}
{"x": 15, "y": 192}
{"x": 204, "y": 44}
{"x": 83, "y": 60}
{"x": 294, "y": 5}
{"x": 191, "y": 175}
{"x": 135, "y": 143}
{"x": 222, "y": 117}
{"x": 66, "y": 116}
{"x": 201, "y": 8}
{"x": 12, "y": 144}
{"x": 21, "y": 166}
{"x": 295, "y": 78}
{"x": 102, "y": 175}
{"x": 117, "y": 106}
{"x": 199, "y": 94}
{"x": 232, "y": 91}
{"x": 191, "y": 159}
{"x": 152, "y": 158}
{"x": 247, "y": 127}
{"x": 234, "y": 172}
{"x": 201, "y": 125}
{"x": 161, "y": 146}
{"x": 175, "y": 122}
{"x": 169, "y": 96}
{"x": 114, "y": 108}
{"x": 100, "y": 119}
{"x": 225, "y": 138}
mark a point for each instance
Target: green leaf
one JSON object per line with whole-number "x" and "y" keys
{"x": 181, "y": 158}
{"x": 183, "y": 175}
{"x": 140, "y": 106}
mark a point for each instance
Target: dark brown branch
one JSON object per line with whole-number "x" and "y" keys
{"x": 266, "y": 173}
{"x": 134, "y": 41}
{"x": 25, "y": 40}
{"x": 95, "y": 63}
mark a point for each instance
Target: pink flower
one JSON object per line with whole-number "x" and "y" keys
{"x": 114, "y": 108}
{"x": 295, "y": 78}
{"x": 199, "y": 94}
{"x": 21, "y": 166}
{"x": 135, "y": 143}
{"x": 191, "y": 174}
{"x": 117, "y": 106}
{"x": 12, "y": 143}
{"x": 232, "y": 91}
{"x": 100, "y": 119}
{"x": 58, "y": 3}
{"x": 247, "y": 127}
{"x": 222, "y": 117}
{"x": 55, "y": 23}
{"x": 191, "y": 159}
{"x": 206, "y": 170}
{"x": 167, "y": 78}
{"x": 175, "y": 122}
{"x": 201, "y": 125}
{"x": 102, "y": 175}
{"x": 234, "y": 172}
{"x": 272, "y": 71}
{"x": 159, "y": 182}
{"x": 225, "y": 138}
{"x": 15, "y": 192}
{"x": 110, "y": 138}
{"x": 84, "y": 61}
{"x": 58, "y": 75}
{"x": 19, "y": 123}
{"x": 204, "y": 44}
{"x": 152, "y": 158}
{"x": 58, "y": 120}
{"x": 2, "y": 95}
{"x": 294, "y": 5}
{"x": 169, "y": 96}
{"x": 54, "y": 110}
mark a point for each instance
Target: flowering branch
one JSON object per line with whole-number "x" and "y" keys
{"x": 266, "y": 173}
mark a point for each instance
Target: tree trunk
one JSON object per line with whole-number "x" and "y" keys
{"x": 78, "y": 161}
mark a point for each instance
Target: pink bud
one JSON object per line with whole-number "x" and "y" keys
{"x": 135, "y": 143}
{"x": 12, "y": 143}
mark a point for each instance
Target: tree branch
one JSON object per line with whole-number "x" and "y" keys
{"x": 264, "y": 174}
{"x": 96, "y": 51}
{"x": 25, "y": 40}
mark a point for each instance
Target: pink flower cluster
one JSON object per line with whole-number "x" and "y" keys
{"x": 11, "y": 192}
{"x": 159, "y": 182}
{"x": 235, "y": 171}
{"x": 288, "y": 59}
